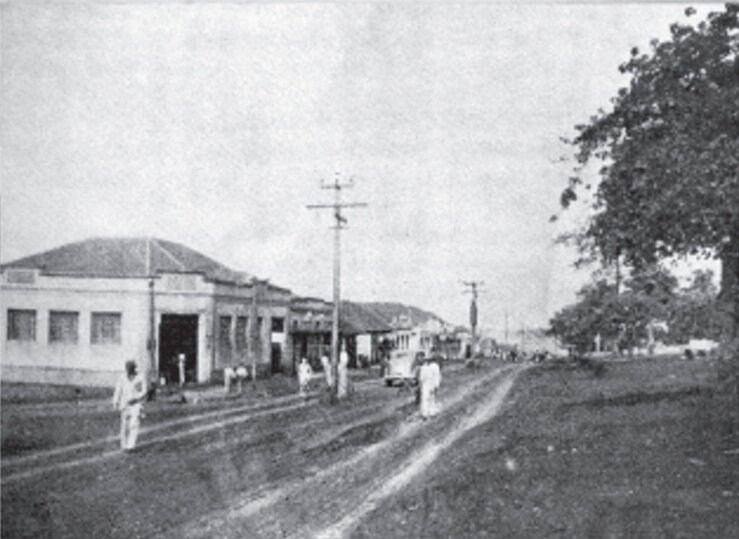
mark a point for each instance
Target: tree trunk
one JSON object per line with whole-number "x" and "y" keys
{"x": 729, "y": 295}
{"x": 729, "y": 310}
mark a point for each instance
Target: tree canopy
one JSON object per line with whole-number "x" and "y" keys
{"x": 651, "y": 299}
{"x": 669, "y": 150}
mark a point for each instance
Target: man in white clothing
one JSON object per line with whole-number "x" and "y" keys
{"x": 229, "y": 375}
{"x": 304, "y": 375}
{"x": 326, "y": 364}
{"x": 343, "y": 382}
{"x": 429, "y": 379}
{"x": 129, "y": 395}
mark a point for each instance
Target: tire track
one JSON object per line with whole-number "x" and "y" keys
{"x": 331, "y": 480}
{"x": 415, "y": 464}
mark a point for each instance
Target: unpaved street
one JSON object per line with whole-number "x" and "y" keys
{"x": 283, "y": 468}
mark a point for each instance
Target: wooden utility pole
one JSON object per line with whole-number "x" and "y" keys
{"x": 341, "y": 221}
{"x": 473, "y": 287}
{"x": 254, "y": 348}
{"x": 151, "y": 340}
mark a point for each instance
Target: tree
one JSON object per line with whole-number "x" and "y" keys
{"x": 669, "y": 185}
{"x": 694, "y": 314}
{"x": 578, "y": 324}
{"x": 622, "y": 319}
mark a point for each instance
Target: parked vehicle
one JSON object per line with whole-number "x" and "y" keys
{"x": 401, "y": 368}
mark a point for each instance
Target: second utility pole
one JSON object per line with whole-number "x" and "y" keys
{"x": 337, "y": 186}
{"x": 474, "y": 288}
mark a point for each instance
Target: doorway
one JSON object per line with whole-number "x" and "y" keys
{"x": 178, "y": 334}
{"x": 276, "y": 358}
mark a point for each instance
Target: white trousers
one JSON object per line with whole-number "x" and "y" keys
{"x": 429, "y": 406}
{"x": 130, "y": 422}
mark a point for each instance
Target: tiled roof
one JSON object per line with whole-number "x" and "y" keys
{"x": 126, "y": 257}
{"x": 395, "y": 314}
{"x": 356, "y": 319}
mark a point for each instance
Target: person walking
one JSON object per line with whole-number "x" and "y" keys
{"x": 326, "y": 364}
{"x": 343, "y": 374}
{"x": 429, "y": 378}
{"x": 241, "y": 374}
{"x": 128, "y": 398}
{"x": 305, "y": 372}
{"x": 229, "y": 375}
{"x": 181, "y": 368}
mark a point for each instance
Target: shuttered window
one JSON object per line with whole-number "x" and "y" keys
{"x": 105, "y": 328}
{"x": 241, "y": 325}
{"x": 63, "y": 326}
{"x": 21, "y": 325}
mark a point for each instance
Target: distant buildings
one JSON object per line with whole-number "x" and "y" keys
{"x": 75, "y": 314}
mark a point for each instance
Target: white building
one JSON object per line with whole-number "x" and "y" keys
{"x": 75, "y": 314}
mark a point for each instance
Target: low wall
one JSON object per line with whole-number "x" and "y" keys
{"x": 58, "y": 376}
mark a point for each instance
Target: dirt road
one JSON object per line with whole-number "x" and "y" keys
{"x": 286, "y": 468}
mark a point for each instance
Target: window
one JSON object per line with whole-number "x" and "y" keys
{"x": 21, "y": 325}
{"x": 224, "y": 336}
{"x": 63, "y": 326}
{"x": 105, "y": 328}
{"x": 278, "y": 325}
{"x": 241, "y": 325}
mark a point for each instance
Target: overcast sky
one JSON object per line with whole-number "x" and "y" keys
{"x": 213, "y": 124}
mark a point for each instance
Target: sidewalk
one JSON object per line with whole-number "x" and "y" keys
{"x": 39, "y": 396}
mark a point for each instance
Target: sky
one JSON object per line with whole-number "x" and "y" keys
{"x": 213, "y": 125}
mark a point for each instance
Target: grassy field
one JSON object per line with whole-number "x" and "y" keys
{"x": 644, "y": 449}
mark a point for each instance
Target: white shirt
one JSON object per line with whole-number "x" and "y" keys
{"x": 304, "y": 371}
{"x": 430, "y": 375}
{"x": 127, "y": 390}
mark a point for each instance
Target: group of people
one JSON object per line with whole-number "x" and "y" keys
{"x": 231, "y": 375}
{"x": 131, "y": 390}
{"x": 305, "y": 374}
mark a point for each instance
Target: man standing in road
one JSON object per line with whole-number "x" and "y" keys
{"x": 429, "y": 378}
{"x": 128, "y": 397}
{"x": 304, "y": 375}
{"x": 343, "y": 382}
{"x": 326, "y": 364}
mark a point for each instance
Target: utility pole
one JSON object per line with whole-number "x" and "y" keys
{"x": 151, "y": 340}
{"x": 340, "y": 223}
{"x": 254, "y": 344}
{"x": 473, "y": 288}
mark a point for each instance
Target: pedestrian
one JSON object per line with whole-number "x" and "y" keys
{"x": 429, "y": 378}
{"x": 229, "y": 375}
{"x": 343, "y": 383}
{"x": 305, "y": 372}
{"x": 241, "y": 374}
{"x": 128, "y": 398}
{"x": 326, "y": 364}
{"x": 416, "y": 370}
{"x": 181, "y": 368}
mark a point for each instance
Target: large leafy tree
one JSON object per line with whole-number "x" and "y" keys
{"x": 669, "y": 150}
{"x": 620, "y": 318}
{"x": 693, "y": 315}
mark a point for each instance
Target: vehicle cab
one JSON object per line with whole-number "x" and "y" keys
{"x": 402, "y": 367}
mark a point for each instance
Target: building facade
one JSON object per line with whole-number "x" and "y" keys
{"x": 75, "y": 314}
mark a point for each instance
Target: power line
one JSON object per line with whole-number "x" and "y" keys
{"x": 340, "y": 224}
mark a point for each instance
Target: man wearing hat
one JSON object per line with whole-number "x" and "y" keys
{"x": 429, "y": 380}
{"x": 129, "y": 395}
